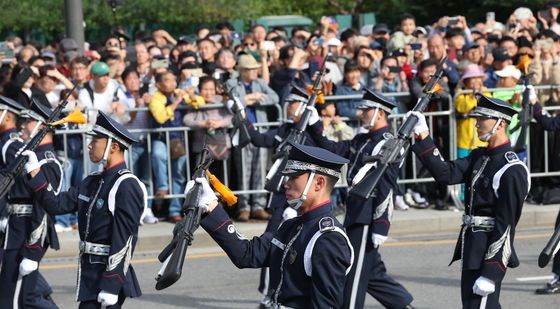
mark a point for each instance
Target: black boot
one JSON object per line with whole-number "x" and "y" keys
{"x": 549, "y": 288}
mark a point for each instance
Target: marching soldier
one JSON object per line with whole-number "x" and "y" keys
{"x": 309, "y": 255}
{"x": 110, "y": 205}
{"x": 497, "y": 183}
{"x": 549, "y": 124}
{"x": 296, "y": 101}
{"x": 9, "y": 145}
{"x": 367, "y": 222}
{"x": 30, "y": 231}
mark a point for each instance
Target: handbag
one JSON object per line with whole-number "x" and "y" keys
{"x": 176, "y": 148}
{"x": 218, "y": 145}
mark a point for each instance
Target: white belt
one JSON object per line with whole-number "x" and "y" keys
{"x": 20, "y": 209}
{"x": 95, "y": 249}
{"x": 478, "y": 221}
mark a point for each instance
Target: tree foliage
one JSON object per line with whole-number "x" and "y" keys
{"x": 48, "y": 15}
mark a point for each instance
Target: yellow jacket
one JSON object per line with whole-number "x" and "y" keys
{"x": 467, "y": 138}
{"x": 161, "y": 112}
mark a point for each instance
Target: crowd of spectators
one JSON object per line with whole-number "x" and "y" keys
{"x": 173, "y": 78}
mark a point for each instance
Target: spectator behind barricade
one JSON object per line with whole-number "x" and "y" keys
{"x": 79, "y": 71}
{"x": 404, "y": 36}
{"x": 381, "y": 34}
{"x": 300, "y": 35}
{"x": 455, "y": 40}
{"x": 112, "y": 46}
{"x": 165, "y": 114}
{"x": 210, "y": 125}
{"x": 104, "y": 94}
{"x": 369, "y": 62}
{"x": 501, "y": 59}
{"x": 259, "y": 33}
{"x": 350, "y": 85}
{"x": 225, "y": 29}
{"x": 140, "y": 157}
{"x": 437, "y": 50}
{"x": 207, "y": 50}
{"x": 317, "y": 51}
{"x": 471, "y": 55}
{"x": 201, "y": 33}
{"x": 69, "y": 152}
{"x": 391, "y": 79}
{"x": 255, "y": 95}
{"x": 346, "y": 37}
{"x": 21, "y": 86}
{"x": 510, "y": 44}
{"x": 546, "y": 68}
{"x": 291, "y": 73}
{"x": 509, "y": 77}
{"x": 226, "y": 61}
{"x": 51, "y": 82}
{"x": 550, "y": 19}
{"x": 427, "y": 69}
{"x": 116, "y": 66}
{"x": 142, "y": 63}
{"x": 467, "y": 136}
{"x": 163, "y": 38}
{"x": 522, "y": 18}
{"x": 403, "y": 61}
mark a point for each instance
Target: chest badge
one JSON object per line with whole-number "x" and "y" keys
{"x": 99, "y": 203}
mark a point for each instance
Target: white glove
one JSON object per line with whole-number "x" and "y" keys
{"x": 107, "y": 299}
{"x": 420, "y": 125}
{"x": 27, "y": 266}
{"x": 208, "y": 195}
{"x": 314, "y": 118}
{"x": 532, "y": 93}
{"x": 3, "y": 223}
{"x": 483, "y": 286}
{"x": 235, "y": 104}
{"x": 289, "y": 213}
{"x": 378, "y": 239}
{"x": 33, "y": 163}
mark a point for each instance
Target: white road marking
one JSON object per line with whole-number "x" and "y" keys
{"x": 540, "y": 278}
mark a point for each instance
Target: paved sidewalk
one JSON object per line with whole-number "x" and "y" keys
{"x": 411, "y": 222}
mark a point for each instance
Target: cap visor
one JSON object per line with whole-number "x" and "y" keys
{"x": 291, "y": 172}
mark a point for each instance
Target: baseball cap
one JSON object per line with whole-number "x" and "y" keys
{"x": 500, "y": 54}
{"x": 509, "y": 71}
{"x": 469, "y": 46}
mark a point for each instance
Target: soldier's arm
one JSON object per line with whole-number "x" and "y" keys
{"x": 127, "y": 210}
{"x": 45, "y": 195}
{"x": 244, "y": 253}
{"x": 547, "y": 122}
{"x": 341, "y": 148}
{"x": 446, "y": 172}
{"x": 268, "y": 139}
{"x": 35, "y": 245}
{"x": 511, "y": 193}
{"x": 329, "y": 263}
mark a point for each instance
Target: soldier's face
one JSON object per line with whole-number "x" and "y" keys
{"x": 484, "y": 125}
{"x": 96, "y": 149}
{"x": 26, "y": 129}
{"x": 295, "y": 186}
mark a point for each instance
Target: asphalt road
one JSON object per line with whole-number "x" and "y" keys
{"x": 419, "y": 263}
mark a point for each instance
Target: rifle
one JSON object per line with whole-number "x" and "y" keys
{"x": 12, "y": 171}
{"x": 274, "y": 180}
{"x": 240, "y": 135}
{"x": 173, "y": 255}
{"x": 526, "y": 112}
{"x": 551, "y": 248}
{"x": 395, "y": 149}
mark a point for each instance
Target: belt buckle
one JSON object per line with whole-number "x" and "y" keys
{"x": 467, "y": 220}
{"x": 82, "y": 246}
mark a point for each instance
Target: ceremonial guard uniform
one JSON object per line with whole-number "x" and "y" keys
{"x": 109, "y": 205}
{"x": 550, "y": 124}
{"x": 497, "y": 183}
{"x": 10, "y": 143}
{"x": 272, "y": 139}
{"x": 308, "y": 255}
{"x": 30, "y": 230}
{"x": 366, "y": 220}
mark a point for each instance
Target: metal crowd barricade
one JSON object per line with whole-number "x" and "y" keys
{"x": 546, "y": 172}
{"x": 90, "y": 167}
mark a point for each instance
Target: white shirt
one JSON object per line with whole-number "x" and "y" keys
{"x": 102, "y": 101}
